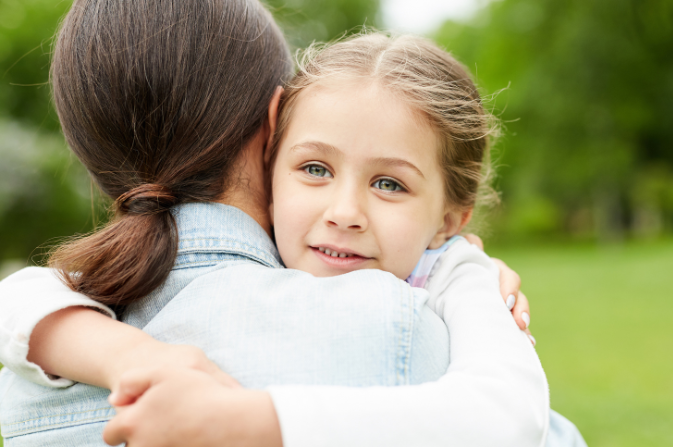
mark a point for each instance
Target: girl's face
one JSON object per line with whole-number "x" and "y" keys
{"x": 357, "y": 184}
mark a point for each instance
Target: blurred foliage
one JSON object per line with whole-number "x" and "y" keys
{"x": 305, "y": 21}
{"x": 44, "y": 192}
{"x": 588, "y": 147}
{"x": 27, "y": 28}
{"x": 588, "y": 152}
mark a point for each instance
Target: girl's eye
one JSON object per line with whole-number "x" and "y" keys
{"x": 386, "y": 184}
{"x": 318, "y": 171}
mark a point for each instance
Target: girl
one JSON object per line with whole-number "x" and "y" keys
{"x": 360, "y": 241}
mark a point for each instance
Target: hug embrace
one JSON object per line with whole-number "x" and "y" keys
{"x": 284, "y": 266}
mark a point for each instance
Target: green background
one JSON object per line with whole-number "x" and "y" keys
{"x": 584, "y": 91}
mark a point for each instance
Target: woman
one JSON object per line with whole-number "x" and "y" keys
{"x": 159, "y": 125}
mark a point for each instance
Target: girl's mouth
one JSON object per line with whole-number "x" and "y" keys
{"x": 338, "y": 258}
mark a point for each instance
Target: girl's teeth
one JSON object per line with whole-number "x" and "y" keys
{"x": 332, "y": 253}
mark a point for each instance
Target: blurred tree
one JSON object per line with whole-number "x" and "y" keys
{"x": 26, "y": 31}
{"x": 589, "y": 116}
{"x": 44, "y": 191}
{"x": 307, "y": 20}
{"x": 27, "y": 28}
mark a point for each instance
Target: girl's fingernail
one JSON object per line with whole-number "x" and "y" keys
{"x": 112, "y": 398}
{"x": 511, "y": 301}
{"x": 526, "y": 318}
{"x": 532, "y": 339}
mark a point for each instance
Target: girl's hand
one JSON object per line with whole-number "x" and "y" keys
{"x": 510, "y": 289}
{"x": 155, "y": 354}
{"x": 179, "y": 407}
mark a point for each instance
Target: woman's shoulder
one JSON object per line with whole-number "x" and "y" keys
{"x": 248, "y": 278}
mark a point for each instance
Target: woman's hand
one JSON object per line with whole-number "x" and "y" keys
{"x": 179, "y": 407}
{"x": 510, "y": 289}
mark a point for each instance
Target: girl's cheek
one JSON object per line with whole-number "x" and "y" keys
{"x": 405, "y": 244}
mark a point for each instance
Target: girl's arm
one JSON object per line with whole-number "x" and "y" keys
{"x": 26, "y": 299}
{"x": 493, "y": 394}
{"x": 48, "y": 332}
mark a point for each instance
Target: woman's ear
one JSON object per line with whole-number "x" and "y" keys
{"x": 272, "y": 121}
{"x": 453, "y": 224}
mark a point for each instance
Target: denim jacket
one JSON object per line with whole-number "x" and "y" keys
{"x": 305, "y": 339}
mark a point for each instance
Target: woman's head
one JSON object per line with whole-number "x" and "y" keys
{"x": 158, "y": 100}
{"x": 379, "y": 152}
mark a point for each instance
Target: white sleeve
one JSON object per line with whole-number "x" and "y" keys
{"x": 494, "y": 393}
{"x": 27, "y": 297}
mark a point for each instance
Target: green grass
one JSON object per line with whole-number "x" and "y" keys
{"x": 603, "y": 320}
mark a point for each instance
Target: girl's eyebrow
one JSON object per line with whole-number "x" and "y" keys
{"x": 318, "y": 146}
{"x": 396, "y": 162}
{"x": 334, "y": 151}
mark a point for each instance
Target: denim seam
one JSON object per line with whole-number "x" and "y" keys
{"x": 248, "y": 251}
{"x": 187, "y": 264}
{"x": 230, "y": 243}
{"x": 56, "y": 415}
{"x": 403, "y": 345}
{"x": 409, "y": 330}
{"x": 53, "y": 426}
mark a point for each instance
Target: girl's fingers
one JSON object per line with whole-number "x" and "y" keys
{"x": 521, "y": 311}
{"x": 132, "y": 385}
{"x": 116, "y": 431}
{"x": 510, "y": 283}
{"x": 475, "y": 240}
{"x": 224, "y": 379}
{"x": 530, "y": 337}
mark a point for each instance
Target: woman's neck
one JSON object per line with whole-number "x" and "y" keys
{"x": 248, "y": 193}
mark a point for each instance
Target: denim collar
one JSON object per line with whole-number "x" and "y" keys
{"x": 207, "y": 229}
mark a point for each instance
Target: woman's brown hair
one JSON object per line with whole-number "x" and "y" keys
{"x": 157, "y": 99}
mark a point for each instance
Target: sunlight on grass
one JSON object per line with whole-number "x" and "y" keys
{"x": 602, "y": 320}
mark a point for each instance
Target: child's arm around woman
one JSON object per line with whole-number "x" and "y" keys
{"x": 493, "y": 394}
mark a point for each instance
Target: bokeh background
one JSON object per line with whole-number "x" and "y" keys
{"x": 584, "y": 89}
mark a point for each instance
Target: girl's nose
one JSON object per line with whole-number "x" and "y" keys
{"x": 346, "y": 213}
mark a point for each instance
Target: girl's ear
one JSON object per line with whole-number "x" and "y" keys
{"x": 272, "y": 121}
{"x": 453, "y": 224}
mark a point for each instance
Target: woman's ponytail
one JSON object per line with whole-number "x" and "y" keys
{"x": 158, "y": 99}
{"x": 128, "y": 258}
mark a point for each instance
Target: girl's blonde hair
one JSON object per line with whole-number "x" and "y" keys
{"x": 430, "y": 81}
